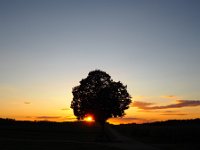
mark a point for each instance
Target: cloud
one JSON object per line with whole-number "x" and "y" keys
{"x": 27, "y": 103}
{"x": 174, "y": 114}
{"x": 64, "y": 109}
{"x": 70, "y": 118}
{"x": 48, "y": 117}
{"x": 28, "y": 117}
{"x": 170, "y": 96}
{"x": 55, "y": 118}
{"x": 141, "y": 105}
{"x": 179, "y": 104}
{"x": 169, "y": 111}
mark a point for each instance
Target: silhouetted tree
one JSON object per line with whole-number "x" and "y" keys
{"x": 100, "y": 96}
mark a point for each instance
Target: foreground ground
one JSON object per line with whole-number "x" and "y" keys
{"x": 168, "y": 135}
{"x": 80, "y": 135}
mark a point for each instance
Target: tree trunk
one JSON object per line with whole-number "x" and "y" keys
{"x": 104, "y": 137}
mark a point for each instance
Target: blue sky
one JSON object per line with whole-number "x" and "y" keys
{"x": 47, "y": 47}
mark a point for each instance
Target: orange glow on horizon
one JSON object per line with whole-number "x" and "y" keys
{"x": 89, "y": 118}
{"x": 54, "y": 111}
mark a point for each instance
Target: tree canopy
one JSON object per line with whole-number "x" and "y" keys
{"x": 100, "y": 96}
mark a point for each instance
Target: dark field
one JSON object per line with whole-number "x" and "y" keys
{"x": 168, "y": 135}
{"x": 48, "y": 135}
{"x": 24, "y": 135}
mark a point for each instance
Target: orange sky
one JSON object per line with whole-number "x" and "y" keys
{"x": 142, "y": 109}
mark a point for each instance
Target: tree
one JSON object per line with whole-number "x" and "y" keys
{"x": 100, "y": 96}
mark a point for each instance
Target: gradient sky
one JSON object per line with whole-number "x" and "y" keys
{"x": 47, "y": 47}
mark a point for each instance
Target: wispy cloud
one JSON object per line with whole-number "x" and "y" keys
{"x": 55, "y": 118}
{"x": 27, "y": 103}
{"x": 169, "y": 111}
{"x": 48, "y": 117}
{"x": 141, "y": 105}
{"x": 174, "y": 114}
{"x": 178, "y": 104}
{"x": 64, "y": 109}
{"x": 70, "y": 118}
{"x": 170, "y": 96}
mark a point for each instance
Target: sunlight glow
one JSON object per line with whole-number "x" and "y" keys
{"x": 89, "y": 118}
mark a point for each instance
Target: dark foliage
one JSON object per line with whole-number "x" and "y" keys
{"x": 100, "y": 96}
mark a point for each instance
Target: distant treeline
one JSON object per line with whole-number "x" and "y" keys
{"x": 45, "y": 125}
{"x": 171, "y": 131}
{"x": 157, "y": 123}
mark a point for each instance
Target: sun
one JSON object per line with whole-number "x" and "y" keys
{"x": 89, "y": 118}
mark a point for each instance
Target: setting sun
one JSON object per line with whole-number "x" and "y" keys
{"x": 89, "y": 119}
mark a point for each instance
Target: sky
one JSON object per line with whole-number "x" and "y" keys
{"x": 48, "y": 46}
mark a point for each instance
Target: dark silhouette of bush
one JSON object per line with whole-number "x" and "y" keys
{"x": 100, "y": 96}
